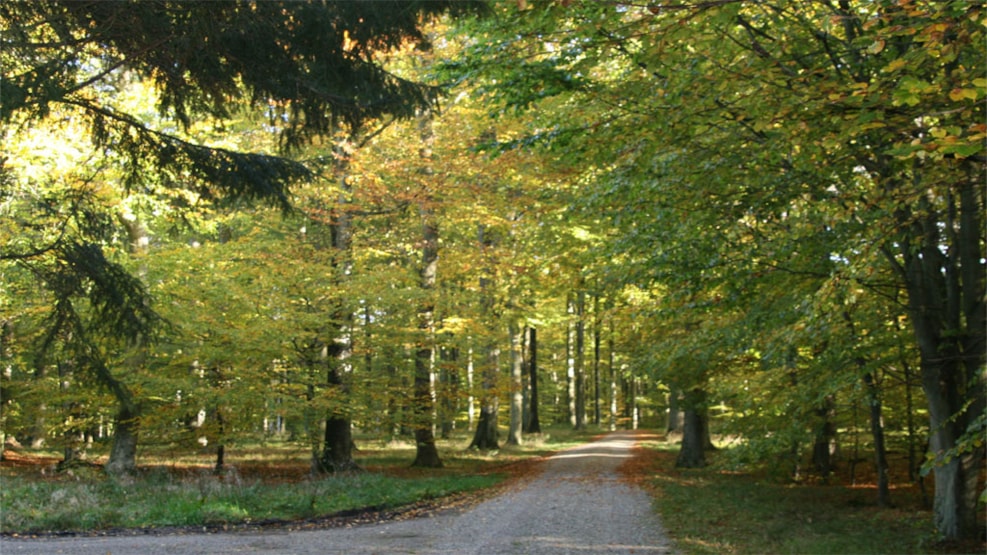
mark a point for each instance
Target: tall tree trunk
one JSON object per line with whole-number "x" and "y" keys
{"x": 515, "y": 423}
{"x": 449, "y": 379}
{"x": 426, "y": 452}
{"x": 570, "y": 354}
{"x": 220, "y": 465}
{"x": 123, "y": 453}
{"x": 824, "y": 444}
{"x": 946, "y": 289}
{"x": 39, "y": 426}
{"x": 613, "y": 377}
{"x": 534, "y": 426}
{"x": 597, "y": 330}
{"x": 877, "y": 431}
{"x": 337, "y": 448}
{"x": 70, "y": 437}
{"x": 6, "y": 336}
{"x": 580, "y": 358}
{"x": 486, "y": 436}
{"x": 692, "y": 453}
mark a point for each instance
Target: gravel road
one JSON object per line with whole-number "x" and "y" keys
{"x": 577, "y": 504}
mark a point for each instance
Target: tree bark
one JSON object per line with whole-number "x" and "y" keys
{"x": 597, "y": 330}
{"x": 449, "y": 379}
{"x": 487, "y": 436}
{"x": 570, "y": 355}
{"x": 580, "y": 361}
{"x": 946, "y": 309}
{"x": 825, "y": 438}
{"x": 426, "y": 452}
{"x": 877, "y": 432}
{"x": 613, "y": 377}
{"x": 515, "y": 423}
{"x": 533, "y": 425}
{"x": 692, "y": 453}
{"x": 337, "y": 447}
{"x": 123, "y": 453}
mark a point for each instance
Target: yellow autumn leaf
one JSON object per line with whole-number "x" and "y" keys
{"x": 957, "y": 95}
{"x": 895, "y": 65}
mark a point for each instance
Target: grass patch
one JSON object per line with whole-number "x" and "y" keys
{"x": 30, "y": 507}
{"x": 716, "y": 511}
{"x": 263, "y": 483}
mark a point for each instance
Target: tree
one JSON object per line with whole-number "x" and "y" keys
{"x": 427, "y": 454}
{"x": 305, "y": 65}
{"x": 533, "y": 423}
{"x": 820, "y": 140}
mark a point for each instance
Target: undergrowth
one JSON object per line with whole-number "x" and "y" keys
{"x": 722, "y": 510}
{"x": 263, "y": 483}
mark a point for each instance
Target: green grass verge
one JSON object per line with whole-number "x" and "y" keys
{"x": 152, "y": 501}
{"x": 715, "y": 511}
{"x": 265, "y": 482}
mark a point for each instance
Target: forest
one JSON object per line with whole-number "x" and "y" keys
{"x": 759, "y": 222}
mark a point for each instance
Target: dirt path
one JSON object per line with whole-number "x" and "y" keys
{"x": 578, "y": 504}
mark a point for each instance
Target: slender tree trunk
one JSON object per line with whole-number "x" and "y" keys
{"x": 515, "y": 427}
{"x": 913, "y": 441}
{"x": 337, "y": 448}
{"x": 877, "y": 431}
{"x": 6, "y": 333}
{"x": 221, "y": 448}
{"x": 825, "y": 437}
{"x": 613, "y": 378}
{"x": 486, "y": 436}
{"x": 597, "y": 330}
{"x": 580, "y": 357}
{"x": 426, "y": 452}
{"x": 39, "y": 427}
{"x": 470, "y": 380}
{"x": 570, "y": 348}
{"x": 534, "y": 426}
{"x": 70, "y": 437}
{"x": 449, "y": 393}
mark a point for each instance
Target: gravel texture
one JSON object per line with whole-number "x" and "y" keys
{"x": 577, "y": 504}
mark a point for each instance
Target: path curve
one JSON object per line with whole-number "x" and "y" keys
{"x": 577, "y": 504}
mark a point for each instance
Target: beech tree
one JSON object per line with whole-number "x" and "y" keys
{"x": 304, "y": 65}
{"x": 834, "y": 143}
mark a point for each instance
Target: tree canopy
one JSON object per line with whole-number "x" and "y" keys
{"x": 763, "y": 214}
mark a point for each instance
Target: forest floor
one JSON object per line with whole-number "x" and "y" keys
{"x": 574, "y": 501}
{"x": 589, "y": 498}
